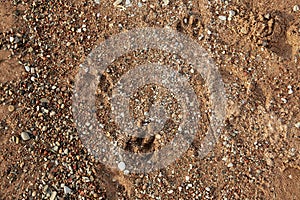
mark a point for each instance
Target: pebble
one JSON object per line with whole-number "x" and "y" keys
{"x": 297, "y": 125}
{"x": 25, "y": 136}
{"x": 128, "y": 3}
{"x": 165, "y": 2}
{"x": 121, "y": 166}
{"x": 97, "y": 1}
{"x": 11, "y": 39}
{"x": 222, "y": 17}
{"x": 11, "y": 108}
{"x": 244, "y": 30}
{"x": 230, "y": 165}
{"x": 53, "y": 195}
{"x": 15, "y": 139}
{"x": 296, "y": 8}
{"x": 67, "y": 190}
{"x": 27, "y": 68}
{"x": 231, "y": 13}
{"x": 117, "y": 2}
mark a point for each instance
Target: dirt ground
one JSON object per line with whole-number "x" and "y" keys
{"x": 256, "y": 46}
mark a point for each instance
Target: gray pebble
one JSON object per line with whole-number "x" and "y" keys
{"x": 231, "y": 13}
{"x": 67, "y": 190}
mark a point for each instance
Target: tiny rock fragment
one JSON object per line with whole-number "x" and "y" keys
{"x": 11, "y": 108}
{"x": 121, "y": 166}
{"x": 165, "y": 2}
{"x": 128, "y": 3}
{"x": 25, "y": 136}
{"x": 53, "y": 195}
{"x": 222, "y": 17}
{"x": 230, "y": 165}
{"x": 11, "y": 39}
{"x": 244, "y": 30}
{"x": 97, "y": 1}
{"x": 117, "y": 2}
{"x": 296, "y": 8}
{"x": 231, "y": 13}
{"x": 297, "y": 125}
{"x": 67, "y": 190}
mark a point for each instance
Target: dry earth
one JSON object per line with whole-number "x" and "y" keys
{"x": 255, "y": 45}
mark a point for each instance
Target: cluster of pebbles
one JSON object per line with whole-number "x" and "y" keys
{"x": 44, "y": 157}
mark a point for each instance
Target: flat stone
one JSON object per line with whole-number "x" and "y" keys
{"x": 25, "y": 136}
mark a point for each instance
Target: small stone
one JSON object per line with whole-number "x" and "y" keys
{"x": 297, "y": 125}
{"x": 166, "y": 2}
{"x": 11, "y": 39}
{"x": 44, "y": 100}
{"x": 15, "y": 139}
{"x": 27, "y": 68}
{"x": 117, "y": 2}
{"x": 53, "y": 195}
{"x": 284, "y": 100}
{"x": 25, "y": 136}
{"x": 296, "y": 8}
{"x": 222, "y": 17}
{"x": 97, "y": 1}
{"x": 269, "y": 161}
{"x": 128, "y": 3}
{"x": 67, "y": 190}
{"x": 121, "y": 166}
{"x": 158, "y": 136}
{"x": 244, "y": 30}
{"x": 33, "y": 194}
{"x": 55, "y": 148}
{"x": 231, "y": 13}
{"x": 11, "y": 108}
{"x": 230, "y": 165}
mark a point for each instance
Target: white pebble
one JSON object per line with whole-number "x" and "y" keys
{"x": 128, "y": 3}
{"x": 97, "y": 1}
{"x": 296, "y": 8}
{"x": 165, "y": 2}
{"x": 297, "y": 125}
{"x": 121, "y": 166}
{"x": 11, "y": 39}
{"x": 117, "y": 2}
{"x": 187, "y": 178}
{"x": 27, "y": 68}
{"x": 230, "y": 165}
{"x": 222, "y": 17}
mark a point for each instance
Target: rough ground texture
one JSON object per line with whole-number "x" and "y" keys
{"x": 255, "y": 45}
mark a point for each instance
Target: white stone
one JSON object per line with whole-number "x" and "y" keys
{"x": 296, "y": 8}
{"x": 121, "y": 166}
{"x": 222, "y": 17}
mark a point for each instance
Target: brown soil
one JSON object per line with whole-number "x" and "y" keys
{"x": 257, "y": 52}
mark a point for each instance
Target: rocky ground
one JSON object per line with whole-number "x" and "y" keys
{"x": 255, "y": 45}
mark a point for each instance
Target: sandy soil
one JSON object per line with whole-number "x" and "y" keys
{"x": 255, "y": 45}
